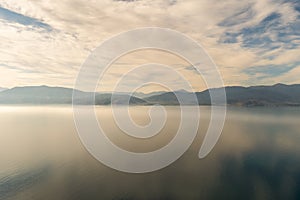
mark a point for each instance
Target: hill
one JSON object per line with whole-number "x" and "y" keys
{"x": 2, "y": 89}
{"x": 275, "y": 95}
{"x": 58, "y": 95}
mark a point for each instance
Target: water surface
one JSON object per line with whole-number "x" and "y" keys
{"x": 257, "y": 157}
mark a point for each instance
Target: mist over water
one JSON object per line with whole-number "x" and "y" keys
{"x": 257, "y": 157}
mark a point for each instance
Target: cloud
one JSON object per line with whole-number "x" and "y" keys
{"x": 46, "y": 42}
{"x": 259, "y": 72}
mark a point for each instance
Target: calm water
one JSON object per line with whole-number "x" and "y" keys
{"x": 257, "y": 157}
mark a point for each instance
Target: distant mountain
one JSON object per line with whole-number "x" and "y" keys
{"x": 36, "y": 95}
{"x": 145, "y": 95}
{"x": 120, "y": 99}
{"x": 276, "y": 95}
{"x": 59, "y": 95}
{"x": 2, "y": 89}
{"x": 170, "y": 98}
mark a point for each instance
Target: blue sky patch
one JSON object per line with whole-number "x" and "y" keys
{"x": 270, "y": 33}
{"x": 13, "y": 17}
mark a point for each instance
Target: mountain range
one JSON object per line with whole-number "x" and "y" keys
{"x": 275, "y": 95}
{"x": 2, "y": 89}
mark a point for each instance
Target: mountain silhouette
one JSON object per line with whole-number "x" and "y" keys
{"x": 275, "y": 95}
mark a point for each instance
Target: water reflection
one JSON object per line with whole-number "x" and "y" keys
{"x": 12, "y": 184}
{"x": 257, "y": 157}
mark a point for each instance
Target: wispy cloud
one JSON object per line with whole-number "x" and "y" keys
{"x": 47, "y": 41}
{"x": 259, "y": 72}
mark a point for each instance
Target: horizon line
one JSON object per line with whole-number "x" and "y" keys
{"x": 49, "y": 86}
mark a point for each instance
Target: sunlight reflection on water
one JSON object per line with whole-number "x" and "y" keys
{"x": 257, "y": 157}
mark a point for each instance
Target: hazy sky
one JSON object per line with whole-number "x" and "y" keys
{"x": 251, "y": 41}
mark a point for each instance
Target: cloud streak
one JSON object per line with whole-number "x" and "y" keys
{"x": 252, "y": 42}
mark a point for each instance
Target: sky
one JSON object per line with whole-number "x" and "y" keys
{"x": 252, "y": 42}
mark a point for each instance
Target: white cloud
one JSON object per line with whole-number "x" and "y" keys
{"x": 54, "y": 57}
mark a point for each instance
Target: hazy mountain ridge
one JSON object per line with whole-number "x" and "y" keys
{"x": 2, "y": 89}
{"x": 275, "y": 95}
{"x": 278, "y": 94}
{"x": 59, "y": 95}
